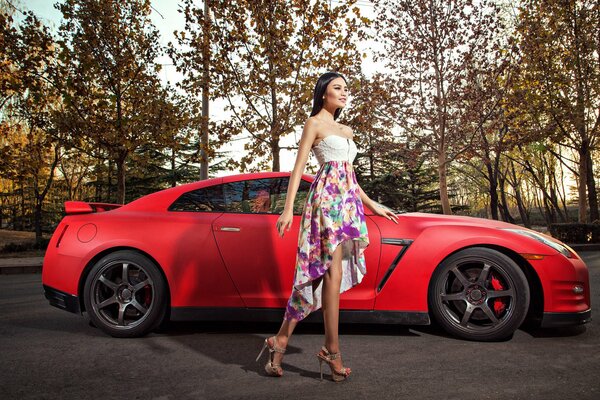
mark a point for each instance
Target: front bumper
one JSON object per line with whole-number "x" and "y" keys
{"x": 559, "y": 319}
{"x": 62, "y": 300}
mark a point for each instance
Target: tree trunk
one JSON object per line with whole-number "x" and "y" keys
{"x": 69, "y": 182}
{"x": 522, "y": 210}
{"x": 543, "y": 209}
{"x": 560, "y": 184}
{"x": 275, "y": 151}
{"x": 37, "y": 220}
{"x": 22, "y": 219}
{"x": 550, "y": 212}
{"x": 37, "y": 210}
{"x": 493, "y": 188}
{"x": 591, "y": 187}
{"x": 443, "y": 180}
{"x": 579, "y": 113}
{"x": 371, "y": 159}
{"x": 549, "y": 196}
{"x": 40, "y": 196}
{"x": 173, "y": 172}
{"x": 552, "y": 191}
{"x": 581, "y": 185}
{"x": 205, "y": 89}
{"x": 275, "y": 128}
{"x": 504, "y": 206}
{"x": 109, "y": 181}
{"x": 274, "y": 134}
{"x": 97, "y": 186}
{"x": 121, "y": 177}
{"x": 14, "y": 217}
{"x": 514, "y": 182}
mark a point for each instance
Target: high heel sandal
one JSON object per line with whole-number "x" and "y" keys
{"x": 271, "y": 368}
{"x": 326, "y": 356}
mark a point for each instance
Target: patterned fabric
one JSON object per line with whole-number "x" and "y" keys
{"x": 333, "y": 214}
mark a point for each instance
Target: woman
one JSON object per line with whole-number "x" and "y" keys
{"x": 333, "y": 215}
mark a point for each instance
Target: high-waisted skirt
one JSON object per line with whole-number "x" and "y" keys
{"x": 333, "y": 215}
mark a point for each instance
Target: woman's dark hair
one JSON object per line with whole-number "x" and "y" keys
{"x": 320, "y": 88}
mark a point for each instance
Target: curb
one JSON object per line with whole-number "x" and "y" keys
{"x": 20, "y": 270}
{"x": 11, "y": 266}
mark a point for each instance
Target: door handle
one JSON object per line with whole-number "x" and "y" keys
{"x": 229, "y": 229}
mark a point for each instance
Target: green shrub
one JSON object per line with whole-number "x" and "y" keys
{"x": 576, "y": 232}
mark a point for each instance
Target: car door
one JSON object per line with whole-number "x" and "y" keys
{"x": 362, "y": 296}
{"x": 198, "y": 277}
{"x": 260, "y": 262}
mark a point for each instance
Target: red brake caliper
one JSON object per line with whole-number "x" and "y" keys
{"x": 148, "y": 295}
{"x": 499, "y": 304}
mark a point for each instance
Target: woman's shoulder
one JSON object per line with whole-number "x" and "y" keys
{"x": 312, "y": 122}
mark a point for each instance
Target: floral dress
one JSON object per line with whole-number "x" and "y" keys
{"x": 333, "y": 214}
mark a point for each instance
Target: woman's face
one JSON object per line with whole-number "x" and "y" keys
{"x": 336, "y": 93}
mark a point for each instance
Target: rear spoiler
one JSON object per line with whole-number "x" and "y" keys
{"x": 82, "y": 207}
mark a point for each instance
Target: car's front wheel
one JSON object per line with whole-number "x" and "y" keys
{"x": 125, "y": 294}
{"x": 479, "y": 294}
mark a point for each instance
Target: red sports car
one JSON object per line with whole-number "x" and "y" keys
{"x": 210, "y": 250}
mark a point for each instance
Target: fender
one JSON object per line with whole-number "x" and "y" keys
{"x": 410, "y": 280}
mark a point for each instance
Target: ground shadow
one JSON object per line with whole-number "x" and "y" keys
{"x": 244, "y": 340}
{"x": 230, "y": 327}
{"x": 566, "y": 331}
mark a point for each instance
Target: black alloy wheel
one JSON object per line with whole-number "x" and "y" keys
{"x": 125, "y": 294}
{"x": 479, "y": 294}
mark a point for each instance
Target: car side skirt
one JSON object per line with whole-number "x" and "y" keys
{"x": 558, "y": 319}
{"x": 69, "y": 302}
{"x": 276, "y": 315}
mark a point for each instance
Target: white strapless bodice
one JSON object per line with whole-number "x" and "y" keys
{"x": 335, "y": 148}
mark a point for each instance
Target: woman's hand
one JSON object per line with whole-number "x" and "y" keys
{"x": 284, "y": 222}
{"x": 384, "y": 212}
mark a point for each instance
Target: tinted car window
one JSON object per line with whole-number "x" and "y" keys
{"x": 282, "y": 195}
{"x": 236, "y": 197}
{"x": 209, "y": 199}
{"x": 254, "y": 196}
{"x": 257, "y": 196}
{"x": 262, "y": 196}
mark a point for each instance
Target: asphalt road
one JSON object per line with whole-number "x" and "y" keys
{"x": 46, "y": 353}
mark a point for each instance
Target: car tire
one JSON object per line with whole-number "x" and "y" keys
{"x": 479, "y": 294}
{"x": 125, "y": 294}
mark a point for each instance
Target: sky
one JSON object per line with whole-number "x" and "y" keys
{"x": 166, "y": 19}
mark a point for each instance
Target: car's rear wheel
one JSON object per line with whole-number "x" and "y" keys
{"x": 479, "y": 294}
{"x": 125, "y": 294}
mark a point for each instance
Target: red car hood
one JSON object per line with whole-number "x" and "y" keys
{"x": 425, "y": 220}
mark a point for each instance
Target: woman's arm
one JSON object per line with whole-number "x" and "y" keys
{"x": 375, "y": 208}
{"x": 309, "y": 133}
{"x": 366, "y": 200}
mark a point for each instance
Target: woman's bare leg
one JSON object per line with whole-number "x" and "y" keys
{"x": 331, "y": 311}
{"x": 283, "y": 336}
{"x": 331, "y": 304}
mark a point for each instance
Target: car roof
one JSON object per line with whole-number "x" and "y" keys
{"x": 164, "y": 198}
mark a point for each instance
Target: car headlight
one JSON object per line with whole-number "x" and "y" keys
{"x": 560, "y": 247}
